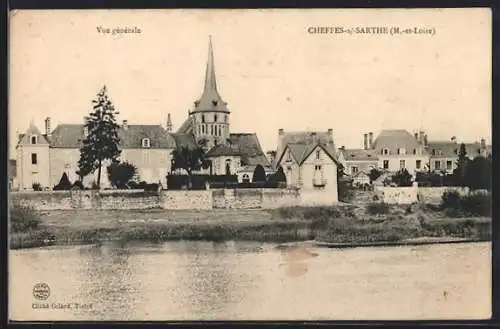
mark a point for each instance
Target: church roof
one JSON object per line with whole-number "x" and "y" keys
{"x": 249, "y": 147}
{"x": 186, "y": 126}
{"x": 184, "y": 140}
{"x": 210, "y": 100}
{"x": 221, "y": 150}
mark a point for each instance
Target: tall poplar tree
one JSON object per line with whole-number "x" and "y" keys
{"x": 101, "y": 141}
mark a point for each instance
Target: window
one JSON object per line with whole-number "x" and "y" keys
{"x": 386, "y": 164}
{"x": 448, "y": 165}
{"x": 289, "y": 156}
{"x": 34, "y": 159}
{"x": 455, "y": 151}
{"x": 437, "y": 164}
{"x": 418, "y": 164}
{"x": 203, "y": 118}
{"x": 385, "y": 151}
{"x": 215, "y": 117}
{"x": 211, "y": 130}
{"x": 146, "y": 143}
{"x": 246, "y": 178}
{"x": 402, "y": 164}
{"x": 401, "y": 150}
{"x": 318, "y": 154}
{"x": 354, "y": 169}
{"x": 317, "y": 167}
{"x": 33, "y": 139}
{"x": 414, "y": 151}
{"x": 225, "y": 119}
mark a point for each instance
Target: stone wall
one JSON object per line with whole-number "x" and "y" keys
{"x": 407, "y": 195}
{"x": 186, "y": 199}
{"x": 275, "y": 198}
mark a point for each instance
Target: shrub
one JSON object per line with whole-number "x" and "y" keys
{"x": 455, "y": 205}
{"x": 402, "y": 178}
{"x": 377, "y": 208}
{"x": 259, "y": 174}
{"x": 36, "y": 187}
{"x": 23, "y": 218}
{"x": 64, "y": 183}
{"x": 119, "y": 174}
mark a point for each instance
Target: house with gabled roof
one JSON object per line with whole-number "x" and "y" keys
{"x": 43, "y": 158}
{"x": 309, "y": 161}
{"x": 357, "y": 160}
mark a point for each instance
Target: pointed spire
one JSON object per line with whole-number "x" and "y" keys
{"x": 210, "y": 82}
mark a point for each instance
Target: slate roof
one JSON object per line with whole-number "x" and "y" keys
{"x": 302, "y": 143}
{"x": 249, "y": 146}
{"x": 186, "y": 127}
{"x": 395, "y": 139}
{"x": 184, "y": 140}
{"x": 70, "y": 136}
{"x": 221, "y": 150}
{"x": 358, "y": 154}
{"x": 441, "y": 149}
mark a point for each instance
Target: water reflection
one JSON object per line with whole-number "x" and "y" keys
{"x": 254, "y": 281}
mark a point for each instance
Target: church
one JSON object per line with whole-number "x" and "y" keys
{"x": 43, "y": 157}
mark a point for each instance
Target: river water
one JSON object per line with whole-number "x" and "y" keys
{"x": 251, "y": 281}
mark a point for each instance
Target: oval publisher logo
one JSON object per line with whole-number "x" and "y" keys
{"x": 41, "y": 291}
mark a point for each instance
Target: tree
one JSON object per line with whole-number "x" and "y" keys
{"x": 478, "y": 174}
{"x": 119, "y": 174}
{"x": 278, "y": 177}
{"x": 102, "y": 141}
{"x": 374, "y": 174}
{"x": 402, "y": 178}
{"x": 190, "y": 160}
{"x": 259, "y": 174}
{"x": 459, "y": 174}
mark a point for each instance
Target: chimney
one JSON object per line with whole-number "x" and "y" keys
{"x": 48, "y": 132}
{"x": 365, "y": 141}
{"x": 370, "y": 140}
{"x": 330, "y": 131}
{"x": 281, "y": 131}
{"x": 425, "y": 140}
{"x": 125, "y": 124}
{"x": 483, "y": 143}
{"x": 421, "y": 138}
{"x": 453, "y": 139}
{"x": 342, "y": 147}
{"x": 169, "y": 123}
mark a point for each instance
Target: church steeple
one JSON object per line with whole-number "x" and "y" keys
{"x": 210, "y": 81}
{"x": 210, "y": 99}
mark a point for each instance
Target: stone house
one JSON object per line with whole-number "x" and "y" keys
{"x": 397, "y": 149}
{"x": 309, "y": 163}
{"x": 443, "y": 155}
{"x": 357, "y": 160}
{"x": 43, "y": 158}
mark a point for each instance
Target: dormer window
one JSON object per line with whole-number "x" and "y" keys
{"x": 146, "y": 143}
{"x": 401, "y": 151}
{"x": 34, "y": 139}
{"x": 214, "y": 103}
{"x": 385, "y": 151}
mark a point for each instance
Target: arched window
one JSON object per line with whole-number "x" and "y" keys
{"x": 215, "y": 117}
{"x": 401, "y": 151}
{"x": 318, "y": 154}
{"x": 203, "y": 118}
{"x": 228, "y": 166}
{"x": 385, "y": 151}
{"x": 203, "y": 129}
{"x": 246, "y": 178}
{"x": 146, "y": 143}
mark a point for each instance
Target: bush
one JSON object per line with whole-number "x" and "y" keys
{"x": 23, "y": 218}
{"x": 259, "y": 174}
{"x": 377, "y": 208}
{"x": 402, "y": 178}
{"x": 345, "y": 189}
{"x": 119, "y": 174}
{"x": 36, "y": 187}
{"x": 64, "y": 183}
{"x": 456, "y": 205}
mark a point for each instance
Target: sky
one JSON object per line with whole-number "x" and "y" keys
{"x": 271, "y": 70}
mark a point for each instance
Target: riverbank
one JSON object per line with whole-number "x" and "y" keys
{"x": 335, "y": 226}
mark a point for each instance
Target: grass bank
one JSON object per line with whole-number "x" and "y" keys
{"x": 341, "y": 224}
